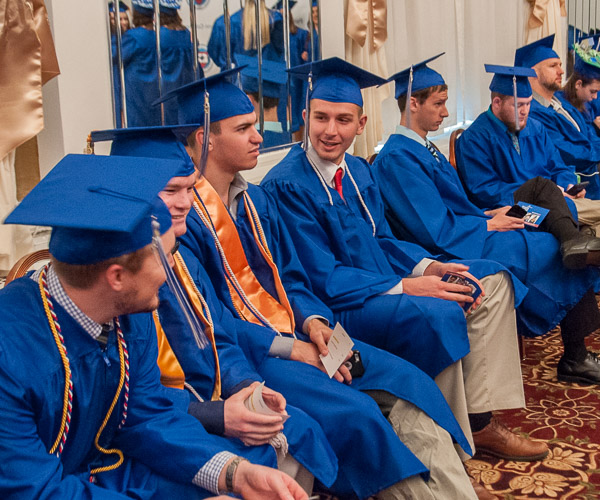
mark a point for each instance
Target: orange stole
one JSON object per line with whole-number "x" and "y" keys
{"x": 171, "y": 373}
{"x": 279, "y": 314}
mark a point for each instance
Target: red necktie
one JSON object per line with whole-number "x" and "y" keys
{"x": 337, "y": 180}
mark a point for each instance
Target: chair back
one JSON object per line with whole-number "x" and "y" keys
{"x": 24, "y": 264}
{"x": 453, "y": 136}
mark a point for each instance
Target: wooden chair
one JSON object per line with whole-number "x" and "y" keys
{"x": 453, "y": 136}
{"x": 371, "y": 158}
{"x": 25, "y": 263}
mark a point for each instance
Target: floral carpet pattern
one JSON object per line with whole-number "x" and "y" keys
{"x": 566, "y": 416}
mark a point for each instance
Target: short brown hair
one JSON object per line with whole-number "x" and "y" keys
{"x": 215, "y": 128}
{"x": 83, "y": 276}
{"x": 268, "y": 102}
{"x": 421, "y": 95}
{"x": 502, "y": 97}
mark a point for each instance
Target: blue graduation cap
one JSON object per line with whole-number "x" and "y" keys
{"x": 273, "y": 76}
{"x": 149, "y": 142}
{"x": 207, "y": 101}
{"x": 417, "y": 77}
{"x": 147, "y": 6}
{"x": 587, "y": 62}
{"x": 511, "y": 81}
{"x": 99, "y": 207}
{"x": 279, "y": 5}
{"x": 336, "y": 80}
{"x": 123, "y": 7}
{"x": 540, "y": 50}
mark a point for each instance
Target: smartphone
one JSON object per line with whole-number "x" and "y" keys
{"x": 577, "y": 188}
{"x": 517, "y": 212}
{"x": 355, "y": 365}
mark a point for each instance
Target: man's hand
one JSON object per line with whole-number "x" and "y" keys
{"x": 431, "y": 285}
{"x": 581, "y": 193}
{"x": 309, "y": 353}
{"x": 501, "y": 222}
{"x": 252, "y": 428}
{"x": 255, "y": 482}
{"x": 319, "y": 334}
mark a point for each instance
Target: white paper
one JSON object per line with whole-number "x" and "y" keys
{"x": 339, "y": 346}
{"x": 256, "y": 403}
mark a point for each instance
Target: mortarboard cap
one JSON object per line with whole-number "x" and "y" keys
{"x": 423, "y": 77}
{"x": 226, "y": 99}
{"x": 540, "y": 50}
{"x": 123, "y": 7}
{"x": 147, "y": 6}
{"x": 279, "y": 5}
{"x": 149, "y": 142}
{"x": 587, "y": 61}
{"x": 273, "y": 75}
{"x": 99, "y": 207}
{"x": 503, "y": 80}
{"x": 336, "y": 80}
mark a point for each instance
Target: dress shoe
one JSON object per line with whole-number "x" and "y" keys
{"x": 481, "y": 491}
{"x": 495, "y": 439}
{"x": 582, "y": 372}
{"x": 581, "y": 252}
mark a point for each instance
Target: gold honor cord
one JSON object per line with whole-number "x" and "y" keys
{"x": 68, "y": 392}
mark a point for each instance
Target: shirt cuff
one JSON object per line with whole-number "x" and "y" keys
{"x": 309, "y": 319}
{"x": 396, "y": 290}
{"x": 419, "y": 269}
{"x": 281, "y": 347}
{"x": 208, "y": 475}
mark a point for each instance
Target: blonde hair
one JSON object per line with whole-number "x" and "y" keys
{"x": 249, "y": 25}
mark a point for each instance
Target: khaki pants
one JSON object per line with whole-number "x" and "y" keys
{"x": 588, "y": 213}
{"x": 489, "y": 377}
{"x": 433, "y": 446}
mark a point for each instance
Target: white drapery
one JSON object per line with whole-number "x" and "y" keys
{"x": 471, "y": 32}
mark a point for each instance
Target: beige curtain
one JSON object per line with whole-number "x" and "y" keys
{"x": 366, "y": 32}
{"x": 27, "y": 61}
{"x": 545, "y": 18}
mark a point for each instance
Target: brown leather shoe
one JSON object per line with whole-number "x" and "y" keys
{"x": 481, "y": 491}
{"x": 495, "y": 439}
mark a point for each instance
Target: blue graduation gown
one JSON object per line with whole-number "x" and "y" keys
{"x": 306, "y": 440}
{"x": 159, "y": 440}
{"x": 351, "y": 420}
{"x": 426, "y": 203}
{"x": 491, "y": 169}
{"x": 581, "y": 150}
{"x": 592, "y": 110}
{"x": 349, "y": 268}
{"x": 141, "y": 78}
{"x": 587, "y": 167}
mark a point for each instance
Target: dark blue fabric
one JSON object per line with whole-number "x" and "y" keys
{"x": 141, "y": 80}
{"x": 426, "y": 203}
{"x": 579, "y": 150}
{"x": 158, "y": 433}
{"x": 351, "y": 420}
{"x": 491, "y": 169}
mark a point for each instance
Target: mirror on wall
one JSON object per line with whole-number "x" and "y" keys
{"x": 200, "y": 38}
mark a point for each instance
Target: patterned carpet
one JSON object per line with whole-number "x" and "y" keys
{"x": 566, "y": 416}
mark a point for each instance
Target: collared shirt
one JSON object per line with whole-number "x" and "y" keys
{"x": 557, "y": 106}
{"x": 270, "y": 127}
{"x": 208, "y": 475}
{"x": 327, "y": 170}
{"x": 411, "y": 134}
{"x": 281, "y": 346}
{"x": 60, "y": 296}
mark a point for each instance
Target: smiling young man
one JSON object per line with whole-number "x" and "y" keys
{"x": 385, "y": 290}
{"x": 218, "y": 376}
{"x": 85, "y": 415}
{"x": 426, "y": 203}
{"x": 236, "y": 234}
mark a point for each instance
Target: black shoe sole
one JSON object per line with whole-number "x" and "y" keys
{"x": 530, "y": 458}
{"x": 575, "y": 379}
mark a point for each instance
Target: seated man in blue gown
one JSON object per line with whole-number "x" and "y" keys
{"x": 283, "y": 327}
{"x": 426, "y": 203}
{"x": 218, "y": 376}
{"x": 84, "y": 413}
{"x": 579, "y": 150}
{"x": 387, "y": 292}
